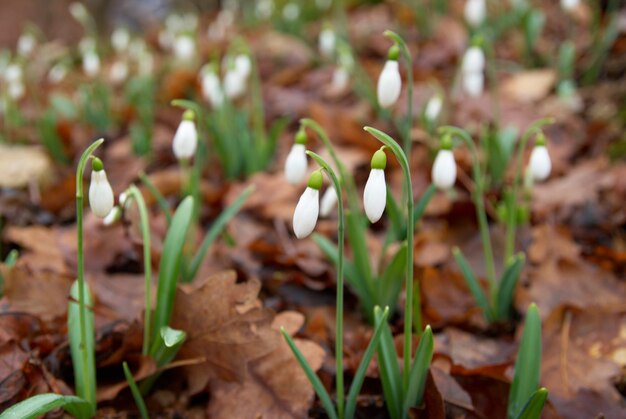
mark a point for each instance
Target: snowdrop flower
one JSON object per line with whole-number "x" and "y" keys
{"x": 87, "y": 44}
{"x": 296, "y": 164}
{"x": 57, "y": 73}
{"x": 473, "y": 84}
{"x": 569, "y": 5}
{"x": 475, "y": 11}
{"x": 444, "y": 168}
{"x": 323, "y": 4}
{"x": 329, "y": 200}
{"x": 307, "y": 210}
{"x": 433, "y": 107}
{"x": 91, "y": 63}
{"x": 211, "y": 88}
{"x": 389, "y": 81}
{"x": 113, "y": 216}
{"x": 264, "y": 9}
{"x": 184, "y": 47}
{"x": 243, "y": 65}
{"x": 327, "y": 42}
{"x": 291, "y": 11}
{"x": 26, "y": 44}
{"x": 118, "y": 72}
{"x": 13, "y": 73}
{"x": 123, "y": 199}
{"x": 79, "y": 12}
{"x": 234, "y": 84}
{"x": 472, "y": 71}
{"x": 540, "y": 165}
{"x": 340, "y": 79}
{"x": 375, "y": 194}
{"x": 145, "y": 63}
{"x": 120, "y": 39}
{"x": 100, "y": 191}
{"x": 186, "y": 137}
{"x": 16, "y": 90}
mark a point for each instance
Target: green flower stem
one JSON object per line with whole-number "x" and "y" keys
{"x": 410, "y": 232}
{"x": 134, "y": 193}
{"x": 339, "y": 304}
{"x": 481, "y": 215}
{"x": 83, "y": 369}
{"x": 511, "y": 215}
{"x": 406, "y": 129}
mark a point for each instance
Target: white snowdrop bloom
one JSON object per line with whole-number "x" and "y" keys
{"x": 475, "y": 11}
{"x": 186, "y": 137}
{"x": 569, "y": 5}
{"x": 327, "y": 42}
{"x": 375, "y": 194}
{"x": 87, "y": 44}
{"x": 473, "y": 60}
{"x": 211, "y": 88}
{"x": 145, "y": 64}
{"x": 118, "y": 72}
{"x": 26, "y": 44}
{"x": 100, "y": 192}
{"x": 329, "y": 201}
{"x": 13, "y": 73}
{"x": 16, "y": 90}
{"x": 291, "y": 11}
{"x": 389, "y": 81}
{"x": 57, "y": 73}
{"x": 243, "y": 65}
{"x": 137, "y": 47}
{"x": 323, "y": 4}
{"x": 234, "y": 84}
{"x": 473, "y": 83}
{"x": 184, "y": 47}
{"x": 433, "y": 107}
{"x": 308, "y": 207}
{"x": 540, "y": 164}
{"x": 166, "y": 39}
{"x": 296, "y": 164}
{"x": 91, "y": 63}
{"x": 113, "y": 216}
{"x": 264, "y": 9}
{"x": 79, "y": 12}
{"x": 340, "y": 79}
{"x": 444, "y": 170}
{"x": 120, "y": 39}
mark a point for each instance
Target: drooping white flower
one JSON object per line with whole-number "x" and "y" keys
{"x": 186, "y": 137}
{"x": 100, "y": 191}
{"x": 184, "y": 47}
{"x": 211, "y": 87}
{"x": 79, "y": 12}
{"x": 473, "y": 83}
{"x": 308, "y": 207}
{"x": 16, "y": 90}
{"x": 540, "y": 164}
{"x": 475, "y": 11}
{"x": 375, "y": 193}
{"x": 433, "y": 107}
{"x": 234, "y": 84}
{"x": 112, "y": 217}
{"x": 243, "y": 65}
{"x": 264, "y": 9}
{"x": 569, "y": 5}
{"x": 340, "y": 79}
{"x": 57, "y": 73}
{"x": 443, "y": 173}
{"x": 473, "y": 60}
{"x": 91, "y": 63}
{"x": 120, "y": 39}
{"x": 291, "y": 11}
{"x": 13, "y": 73}
{"x": 87, "y": 44}
{"x": 118, "y": 72}
{"x": 323, "y": 4}
{"x": 327, "y": 42}
{"x": 296, "y": 164}
{"x": 329, "y": 201}
{"x": 26, "y": 44}
{"x": 389, "y": 81}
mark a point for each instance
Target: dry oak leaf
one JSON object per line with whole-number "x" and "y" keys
{"x": 41, "y": 250}
{"x": 225, "y": 325}
{"x": 529, "y": 86}
{"x": 276, "y": 386}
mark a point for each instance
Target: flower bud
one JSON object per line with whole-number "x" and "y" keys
{"x": 307, "y": 210}
{"x": 243, "y": 65}
{"x": 291, "y": 11}
{"x": 264, "y": 9}
{"x": 444, "y": 169}
{"x": 327, "y": 42}
{"x": 475, "y": 11}
{"x": 184, "y": 47}
{"x": 26, "y": 44}
{"x": 120, "y": 39}
{"x": 296, "y": 164}
{"x": 91, "y": 63}
{"x": 473, "y": 60}
{"x": 539, "y": 164}
{"x": 186, "y": 137}
{"x": 211, "y": 88}
{"x": 375, "y": 194}
{"x": 57, "y": 73}
{"x": 389, "y": 84}
{"x": 118, "y": 72}
{"x": 234, "y": 84}
{"x": 100, "y": 191}
{"x": 433, "y": 107}
{"x": 329, "y": 201}
{"x": 340, "y": 80}
{"x": 473, "y": 84}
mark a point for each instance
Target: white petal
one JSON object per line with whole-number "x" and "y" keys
{"x": 473, "y": 83}
{"x": 433, "y": 108}
{"x": 389, "y": 84}
{"x": 329, "y": 200}
{"x": 296, "y": 165}
{"x": 444, "y": 170}
{"x": 212, "y": 90}
{"x": 112, "y": 217}
{"x": 569, "y": 5}
{"x": 540, "y": 164}
{"x": 243, "y": 65}
{"x": 184, "y": 47}
{"x": 91, "y": 64}
{"x": 185, "y": 140}
{"x": 340, "y": 80}
{"x": 375, "y": 195}
{"x": 234, "y": 84}
{"x": 475, "y": 11}
{"x": 120, "y": 38}
{"x": 306, "y": 213}
{"x": 327, "y": 42}
{"x": 100, "y": 194}
{"x": 473, "y": 60}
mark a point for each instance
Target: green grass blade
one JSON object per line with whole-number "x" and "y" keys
{"x": 357, "y": 382}
{"x": 472, "y": 283}
{"x": 507, "y": 286}
{"x": 141, "y": 405}
{"x": 312, "y": 376}
{"x": 389, "y": 370}
{"x": 41, "y": 404}
{"x": 419, "y": 370}
{"x": 169, "y": 268}
{"x": 85, "y": 390}
{"x": 215, "y": 230}
{"x": 160, "y": 199}
{"x": 528, "y": 364}
{"x": 533, "y": 407}
{"x": 391, "y": 281}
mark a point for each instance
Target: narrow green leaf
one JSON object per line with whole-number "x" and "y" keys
{"x": 41, "y": 404}
{"x": 472, "y": 283}
{"x": 419, "y": 370}
{"x": 528, "y": 363}
{"x": 390, "y": 283}
{"x": 215, "y": 230}
{"x": 389, "y": 370}
{"x": 164, "y": 349}
{"x": 188, "y": 104}
{"x": 85, "y": 390}
{"x": 420, "y": 206}
{"x": 394, "y": 213}
{"x": 161, "y": 201}
{"x": 359, "y": 376}
{"x": 11, "y": 258}
{"x": 169, "y": 268}
{"x": 355, "y": 230}
{"x": 533, "y": 407}
{"x": 141, "y": 405}
{"x": 507, "y": 286}
{"x": 312, "y": 376}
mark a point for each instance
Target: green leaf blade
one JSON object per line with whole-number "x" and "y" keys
{"x": 41, "y": 404}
